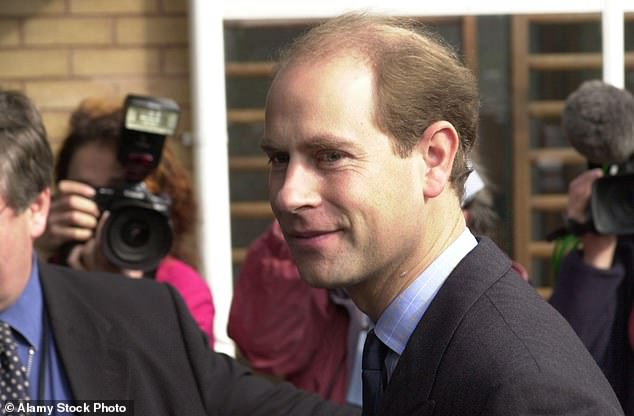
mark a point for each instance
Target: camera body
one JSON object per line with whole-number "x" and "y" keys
{"x": 138, "y": 234}
{"x": 612, "y": 200}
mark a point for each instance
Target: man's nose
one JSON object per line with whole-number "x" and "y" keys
{"x": 298, "y": 189}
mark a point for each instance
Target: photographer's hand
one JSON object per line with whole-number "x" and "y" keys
{"x": 598, "y": 250}
{"x": 72, "y": 217}
{"x": 89, "y": 255}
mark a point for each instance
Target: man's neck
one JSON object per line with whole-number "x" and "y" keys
{"x": 373, "y": 295}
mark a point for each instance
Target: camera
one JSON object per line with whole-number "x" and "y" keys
{"x": 598, "y": 121}
{"x": 612, "y": 200}
{"x": 138, "y": 233}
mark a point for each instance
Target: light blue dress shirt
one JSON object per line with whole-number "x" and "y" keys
{"x": 399, "y": 320}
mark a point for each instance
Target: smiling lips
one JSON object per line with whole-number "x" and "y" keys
{"x": 309, "y": 237}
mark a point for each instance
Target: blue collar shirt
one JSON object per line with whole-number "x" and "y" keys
{"x": 399, "y": 320}
{"x": 26, "y": 318}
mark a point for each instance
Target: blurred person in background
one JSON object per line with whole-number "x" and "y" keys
{"x": 479, "y": 210}
{"x": 87, "y": 160}
{"x": 595, "y": 293}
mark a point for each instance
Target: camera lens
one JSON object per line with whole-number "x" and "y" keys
{"x": 135, "y": 233}
{"x": 136, "y": 237}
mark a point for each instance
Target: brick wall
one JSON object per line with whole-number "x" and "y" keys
{"x": 61, "y": 51}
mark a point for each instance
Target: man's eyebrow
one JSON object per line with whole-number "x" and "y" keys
{"x": 267, "y": 145}
{"x": 317, "y": 142}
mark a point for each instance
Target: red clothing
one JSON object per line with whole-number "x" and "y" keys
{"x": 286, "y": 328}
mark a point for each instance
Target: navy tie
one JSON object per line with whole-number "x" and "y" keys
{"x": 374, "y": 373}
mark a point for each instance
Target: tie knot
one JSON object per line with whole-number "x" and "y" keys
{"x": 374, "y": 352}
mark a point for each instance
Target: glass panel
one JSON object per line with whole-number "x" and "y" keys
{"x": 248, "y": 186}
{"x": 245, "y": 42}
{"x": 246, "y": 92}
{"x": 543, "y": 274}
{"x": 245, "y": 139}
{"x": 557, "y": 85}
{"x": 495, "y": 141}
{"x": 565, "y": 37}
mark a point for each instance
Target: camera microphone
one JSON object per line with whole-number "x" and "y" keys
{"x": 598, "y": 121}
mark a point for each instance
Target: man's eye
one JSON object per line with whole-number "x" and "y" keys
{"x": 331, "y": 156}
{"x": 278, "y": 158}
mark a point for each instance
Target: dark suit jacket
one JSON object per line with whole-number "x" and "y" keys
{"x": 489, "y": 345}
{"x": 127, "y": 339}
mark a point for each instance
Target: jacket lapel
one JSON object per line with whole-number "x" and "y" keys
{"x": 410, "y": 388}
{"x": 96, "y": 369}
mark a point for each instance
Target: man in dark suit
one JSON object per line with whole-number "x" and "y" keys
{"x": 81, "y": 336}
{"x": 369, "y": 127}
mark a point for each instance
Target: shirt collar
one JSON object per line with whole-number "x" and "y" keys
{"x": 25, "y": 315}
{"x": 397, "y": 323}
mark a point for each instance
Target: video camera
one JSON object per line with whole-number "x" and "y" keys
{"x": 138, "y": 233}
{"x": 612, "y": 200}
{"x": 598, "y": 120}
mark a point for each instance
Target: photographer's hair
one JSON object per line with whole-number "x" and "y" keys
{"x": 26, "y": 159}
{"x": 99, "y": 120}
{"x": 418, "y": 78}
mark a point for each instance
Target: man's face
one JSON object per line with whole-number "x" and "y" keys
{"x": 17, "y": 233}
{"x": 350, "y": 209}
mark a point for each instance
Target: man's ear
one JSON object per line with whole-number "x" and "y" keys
{"x": 438, "y": 147}
{"x": 39, "y": 213}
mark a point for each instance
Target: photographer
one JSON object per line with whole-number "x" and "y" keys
{"x": 88, "y": 160}
{"x": 594, "y": 292}
{"x": 595, "y": 286}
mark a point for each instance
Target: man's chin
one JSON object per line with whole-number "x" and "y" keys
{"x": 320, "y": 281}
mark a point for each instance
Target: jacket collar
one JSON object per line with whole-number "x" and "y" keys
{"x": 96, "y": 367}
{"x": 420, "y": 360}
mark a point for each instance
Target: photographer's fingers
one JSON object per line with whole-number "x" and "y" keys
{"x": 64, "y": 225}
{"x": 74, "y": 258}
{"x": 73, "y": 202}
{"x": 579, "y": 192}
{"x": 91, "y": 256}
{"x": 87, "y": 256}
{"x": 68, "y": 224}
{"x": 101, "y": 225}
{"x": 77, "y": 188}
{"x": 72, "y": 217}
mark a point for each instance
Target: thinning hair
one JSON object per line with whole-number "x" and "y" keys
{"x": 418, "y": 78}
